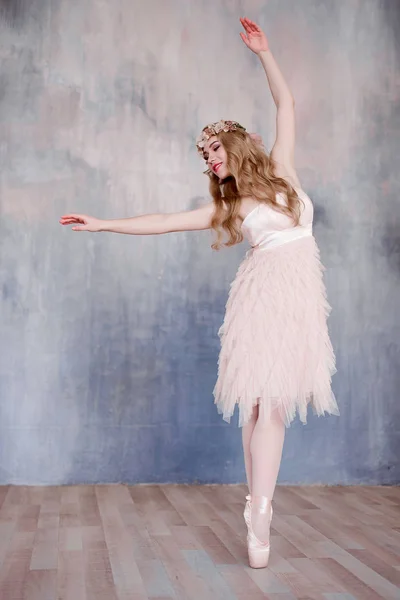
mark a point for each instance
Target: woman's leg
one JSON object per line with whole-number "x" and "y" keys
{"x": 266, "y": 447}
{"x": 247, "y": 432}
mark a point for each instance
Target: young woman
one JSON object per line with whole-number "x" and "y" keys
{"x": 276, "y": 356}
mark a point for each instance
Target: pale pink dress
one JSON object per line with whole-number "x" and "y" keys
{"x": 275, "y": 345}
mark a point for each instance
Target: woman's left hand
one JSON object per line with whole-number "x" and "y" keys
{"x": 255, "y": 39}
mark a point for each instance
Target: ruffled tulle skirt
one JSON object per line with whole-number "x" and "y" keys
{"x": 275, "y": 346}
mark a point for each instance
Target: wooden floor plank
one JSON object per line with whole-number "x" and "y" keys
{"x": 182, "y": 542}
{"x": 378, "y": 565}
{"x": 70, "y": 575}
{"x": 186, "y": 584}
{"x": 240, "y": 582}
{"x": 348, "y": 580}
{"x": 126, "y": 573}
{"x": 41, "y": 585}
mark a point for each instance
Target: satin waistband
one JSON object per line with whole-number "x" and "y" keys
{"x": 279, "y": 238}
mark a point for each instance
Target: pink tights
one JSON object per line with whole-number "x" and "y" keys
{"x": 262, "y": 447}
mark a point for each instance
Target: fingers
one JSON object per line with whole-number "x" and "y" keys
{"x": 81, "y": 222}
{"x": 250, "y": 26}
{"x": 69, "y": 219}
{"x": 80, "y": 218}
{"x": 244, "y": 38}
{"x": 254, "y": 27}
{"x": 245, "y": 24}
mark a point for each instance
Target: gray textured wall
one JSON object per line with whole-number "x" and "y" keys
{"x": 109, "y": 343}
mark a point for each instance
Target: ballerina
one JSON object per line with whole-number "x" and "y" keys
{"x": 276, "y": 356}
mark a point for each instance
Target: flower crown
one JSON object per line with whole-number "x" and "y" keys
{"x": 214, "y": 129}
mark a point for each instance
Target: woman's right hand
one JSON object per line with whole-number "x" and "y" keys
{"x": 255, "y": 38}
{"x": 82, "y": 222}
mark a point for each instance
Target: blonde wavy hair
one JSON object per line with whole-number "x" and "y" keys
{"x": 251, "y": 174}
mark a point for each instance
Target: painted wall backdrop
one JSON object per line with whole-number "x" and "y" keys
{"x": 109, "y": 343}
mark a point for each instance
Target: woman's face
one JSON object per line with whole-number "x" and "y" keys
{"x": 216, "y": 157}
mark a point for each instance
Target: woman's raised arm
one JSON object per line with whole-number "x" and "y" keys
{"x": 283, "y": 149}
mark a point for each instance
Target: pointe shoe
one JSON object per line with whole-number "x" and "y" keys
{"x": 247, "y": 510}
{"x": 259, "y": 551}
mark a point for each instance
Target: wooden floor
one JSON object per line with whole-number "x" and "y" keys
{"x": 172, "y": 541}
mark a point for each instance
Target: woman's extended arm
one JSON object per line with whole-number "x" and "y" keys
{"x": 283, "y": 149}
{"x": 151, "y": 224}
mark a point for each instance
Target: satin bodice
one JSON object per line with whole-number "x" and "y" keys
{"x": 265, "y": 227}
